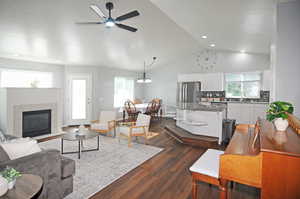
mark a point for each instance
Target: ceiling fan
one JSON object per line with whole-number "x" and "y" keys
{"x": 109, "y": 21}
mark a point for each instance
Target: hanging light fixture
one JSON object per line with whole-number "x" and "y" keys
{"x": 144, "y": 79}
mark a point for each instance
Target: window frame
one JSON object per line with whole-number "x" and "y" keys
{"x": 133, "y": 90}
{"x": 242, "y": 81}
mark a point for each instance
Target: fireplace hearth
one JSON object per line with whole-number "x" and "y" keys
{"x": 36, "y": 123}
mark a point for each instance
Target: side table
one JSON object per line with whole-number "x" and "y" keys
{"x": 27, "y": 186}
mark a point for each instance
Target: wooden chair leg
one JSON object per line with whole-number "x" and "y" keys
{"x": 145, "y": 142}
{"x": 223, "y": 189}
{"x": 194, "y": 189}
{"x": 129, "y": 141}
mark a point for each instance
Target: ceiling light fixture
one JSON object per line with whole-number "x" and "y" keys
{"x": 109, "y": 23}
{"x": 144, "y": 79}
{"x": 212, "y": 45}
{"x": 242, "y": 51}
{"x": 204, "y": 37}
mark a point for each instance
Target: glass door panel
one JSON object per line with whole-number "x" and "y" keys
{"x": 79, "y": 99}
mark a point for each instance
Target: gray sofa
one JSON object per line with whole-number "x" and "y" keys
{"x": 56, "y": 170}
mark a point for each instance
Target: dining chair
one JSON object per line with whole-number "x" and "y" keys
{"x": 131, "y": 110}
{"x": 150, "y": 108}
{"x": 135, "y": 129}
{"x": 154, "y": 108}
{"x": 106, "y": 123}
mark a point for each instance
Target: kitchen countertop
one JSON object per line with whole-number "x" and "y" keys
{"x": 202, "y": 107}
{"x": 241, "y": 102}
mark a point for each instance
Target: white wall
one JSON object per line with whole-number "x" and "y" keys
{"x": 103, "y": 80}
{"x": 103, "y": 85}
{"x": 56, "y": 69}
{"x": 287, "y": 66}
{"x": 164, "y": 78}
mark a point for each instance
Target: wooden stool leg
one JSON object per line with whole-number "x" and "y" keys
{"x": 194, "y": 189}
{"x": 223, "y": 189}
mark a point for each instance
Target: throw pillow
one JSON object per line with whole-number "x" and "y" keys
{"x": 20, "y": 147}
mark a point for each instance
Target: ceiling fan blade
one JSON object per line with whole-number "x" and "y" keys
{"x": 132, "y": 29}
{"x": 88, "y": 23}
{"x": 128, "y": 15}
{"x": 97, "y": 10}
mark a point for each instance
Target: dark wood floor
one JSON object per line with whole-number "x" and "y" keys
{"x": 166, "y": 175}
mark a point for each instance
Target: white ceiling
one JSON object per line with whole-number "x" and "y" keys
{"x": 229, "y": 24}
{"x": 45, "y": 31}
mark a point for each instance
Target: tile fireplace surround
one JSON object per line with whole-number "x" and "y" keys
{"x": 18, "y": 116}
{"x": 15, "y": 101}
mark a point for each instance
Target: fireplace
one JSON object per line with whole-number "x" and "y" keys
{"x": 36, "y": 123}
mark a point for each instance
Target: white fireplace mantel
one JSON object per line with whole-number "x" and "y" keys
{"x": 15, "y": 101}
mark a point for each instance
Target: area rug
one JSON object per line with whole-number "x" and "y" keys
{"x": 97, "y": 169}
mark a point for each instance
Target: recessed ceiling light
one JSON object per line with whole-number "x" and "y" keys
{"x": 242, "y": 51}
{"x": 212, "y": 45}
{"x": 204, "y": 37}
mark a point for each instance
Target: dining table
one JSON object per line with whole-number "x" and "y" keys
{"x": 139, "y": 107}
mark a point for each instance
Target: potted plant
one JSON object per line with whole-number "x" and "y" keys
{"x": 10, "y": 174}
{"x": 277, "y": 112}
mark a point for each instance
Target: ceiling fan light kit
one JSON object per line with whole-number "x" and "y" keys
{"x": 109, "y": 21}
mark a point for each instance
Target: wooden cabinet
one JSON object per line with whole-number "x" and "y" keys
{"x": 246, "y": 113}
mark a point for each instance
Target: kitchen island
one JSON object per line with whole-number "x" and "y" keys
{"x": 201, "y": 119}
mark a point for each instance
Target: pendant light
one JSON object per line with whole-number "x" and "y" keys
{"x": 144, "y": 79}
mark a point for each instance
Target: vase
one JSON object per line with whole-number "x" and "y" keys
{"x": 11, "y": 184}
{"x": 3, "y": 186}
{"x": 281, "y": 124}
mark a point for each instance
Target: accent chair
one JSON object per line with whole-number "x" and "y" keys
{"x": 106, "y": 123}
{"x": 135, "y": 129}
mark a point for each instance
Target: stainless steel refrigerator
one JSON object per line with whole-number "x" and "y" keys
{"x": 188, "y": 92}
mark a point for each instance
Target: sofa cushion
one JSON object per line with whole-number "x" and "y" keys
{"x": 3, "y": 155}
{"x": 20, "y": 147}
{"x": 67, "y": 184}
{"x": 67, "y": 167}
{"x": 99, "y": 126}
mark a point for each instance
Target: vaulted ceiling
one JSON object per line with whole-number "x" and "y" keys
{"x": 231, "y": 24}
{"x": 45, "y": 31}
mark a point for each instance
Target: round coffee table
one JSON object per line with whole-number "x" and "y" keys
{"x": 27, "y": 186}
{"x": 79, "y": 137}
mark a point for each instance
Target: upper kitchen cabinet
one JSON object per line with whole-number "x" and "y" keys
{"x": 209, "y": 81}
{"x": 267, "y": 80}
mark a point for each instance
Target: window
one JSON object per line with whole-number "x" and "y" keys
{"x": 26, "y": 79}
{"x": 243, "y": 85}
{"x": 124, "y": 90}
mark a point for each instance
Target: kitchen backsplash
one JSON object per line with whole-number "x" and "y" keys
{"x": 219, "y": 96}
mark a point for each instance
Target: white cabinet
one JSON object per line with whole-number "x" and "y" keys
{"x": 212, "y": 82}
{"x": 209, "y": 81}
{"x": 267, "y": 80}
{"x": 246, "y": 113}
{"x": 197, "y": 122}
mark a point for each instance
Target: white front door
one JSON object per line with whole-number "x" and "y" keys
{"x": 79, "y": 99}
